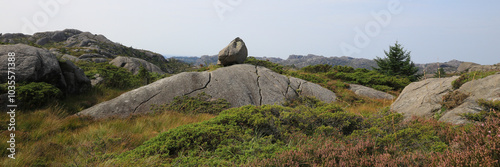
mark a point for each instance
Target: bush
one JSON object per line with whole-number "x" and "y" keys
{"x": 202, "y": 103}
{"x": 317, "y": 68}
{"x": 239, "y": 135}
{"x": 270, "y": 65}
{"x": 37, "y": 94}
{"x": 453, "y": 99}
{"x": 464, "y": 78}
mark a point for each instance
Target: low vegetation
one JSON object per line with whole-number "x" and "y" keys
{"x": 464, "y": 78}
{"x": 201, "y": 131}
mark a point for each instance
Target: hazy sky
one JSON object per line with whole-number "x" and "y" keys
{"x": 433, "y": 30}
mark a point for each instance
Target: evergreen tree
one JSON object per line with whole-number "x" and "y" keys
{"x": 397, "y": 63}
{"x": 440, "y": 73}
{"x": 144, "y": 75}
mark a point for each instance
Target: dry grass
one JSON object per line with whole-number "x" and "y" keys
{"x": 44, "y": 138}
{"x": 370, "y": 106}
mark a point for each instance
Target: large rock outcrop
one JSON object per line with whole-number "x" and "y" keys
{"x": 424, "y": 98}
{"x": 238, "y": 84}
{"x": 39, "y": 65}
{"x": 32, "y": 65}
{"x": 133, "y": 64}
{"x": 369, "y": 92}
{"x": 234, "y": 53}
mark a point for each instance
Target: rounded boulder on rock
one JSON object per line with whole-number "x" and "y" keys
{"x": 234, "y": 53}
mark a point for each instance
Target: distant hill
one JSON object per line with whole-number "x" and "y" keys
{"x": 87, "y": 46}
{"x": 300, "y": 61}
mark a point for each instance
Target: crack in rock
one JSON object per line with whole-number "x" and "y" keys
{"x": 209, "y": 79}
{"x": 204, "y": 87}
{"x": 258, "y": 85}
{"x": 135, "y": 110}
{"x": 288, "y": 86}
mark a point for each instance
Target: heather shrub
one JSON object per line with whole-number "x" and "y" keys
{"x": 37, "y": 94}
{"x": 453, "y": 99}
{"x": 239, "y": 135}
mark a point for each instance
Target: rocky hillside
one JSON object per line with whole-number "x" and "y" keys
{"x": 77, "y": 45}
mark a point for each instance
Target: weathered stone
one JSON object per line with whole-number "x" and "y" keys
{"x": 42, "y": 41}
{"x": 133, "y": 64}
{"x": 39, "y": 65}
{"x": 423, "y": 98}
{"x": 32, "y": 65}
{"x": 75, "y": 78}
{"x": 239, "y": 84}
{"x": 234, "y": 53}
{"x": 97, "y": 80}
{"x": 369, "y": 92}
{"x": 69, "y": 57}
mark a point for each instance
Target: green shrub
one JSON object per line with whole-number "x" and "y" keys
{"x": 239, "y": 135}
{"x": 201, "y": 103}
{"x": 320, "y": 68}
{"x": 369, "y": 78}
{"x": 453, "y": 99}
{"x": 464, "y": 78}
{"x": 270, "y": 65}
{"x": 37, "y": 94}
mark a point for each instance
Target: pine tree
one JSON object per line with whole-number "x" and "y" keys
{"x": 144, "y": 75}
{"x": 397, "y": 63}
{"x": 440, "y": 73}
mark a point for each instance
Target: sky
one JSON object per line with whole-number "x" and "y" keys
{"x": 433, "y": 30}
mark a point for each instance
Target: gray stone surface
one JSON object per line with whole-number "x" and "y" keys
{"x": 39, "y": 65}
{"x": 69, "y": 57}
{"x": 133, "y": 64}
{"x": 238, "y": 84}
{"x": 32, "y": 65}
{"x": 234, "y": 53}
{"x": 423, "y": 98}
{"x": 76, "y": 81}
{"x": 369, "y": 92}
